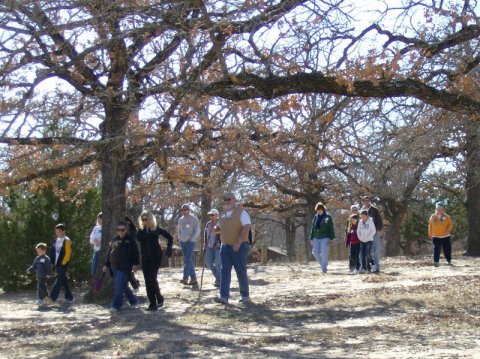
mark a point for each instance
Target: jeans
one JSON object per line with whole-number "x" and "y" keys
{"x": 239, "y": 261}
{"x": 438, "y": 243}
{"x": 61, "y": 281}
{"x": 120, "y": 284}
{"x": 96, "y": 256}
{"x": 188, "y": 266}
{"x": 365, "y": 248}
{"x": 42, "y": 288}
{"x": 320, "y": 250}
{"x": 377, "y": 250}
{"x": 150, "y": 272}
{"x": 214, "y": 262}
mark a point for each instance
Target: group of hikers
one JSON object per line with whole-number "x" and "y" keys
{"x": 123, "y": 260}
{"x": 225, "y": 245}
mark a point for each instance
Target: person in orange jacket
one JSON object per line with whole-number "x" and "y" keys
{"x": 439, "y": 230}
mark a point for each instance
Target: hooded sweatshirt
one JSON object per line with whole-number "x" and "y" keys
{"x": 366, "y": 230}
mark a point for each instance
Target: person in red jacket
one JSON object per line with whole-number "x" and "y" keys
{"x": 353, "y": 243}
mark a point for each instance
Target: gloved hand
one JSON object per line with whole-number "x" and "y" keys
{"x": 169, "y": 252}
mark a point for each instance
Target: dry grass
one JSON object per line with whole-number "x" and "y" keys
{"x": 411, "y": 310}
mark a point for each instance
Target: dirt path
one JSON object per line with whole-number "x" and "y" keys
{"x": 411, "y": 310}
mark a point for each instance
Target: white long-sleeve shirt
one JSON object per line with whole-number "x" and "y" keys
{"x": 96, "y": 237}
{"x": 366, "y": 230}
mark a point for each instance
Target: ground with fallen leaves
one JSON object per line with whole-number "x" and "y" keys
{"x": 410, "y": 310}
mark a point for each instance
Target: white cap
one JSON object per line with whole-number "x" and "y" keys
{"x": 214, "y": 211}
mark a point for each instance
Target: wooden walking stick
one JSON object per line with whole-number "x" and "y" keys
{"x": 201, "y": 277}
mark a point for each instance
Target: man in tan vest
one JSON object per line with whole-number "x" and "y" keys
{"x": 234, "y": 225}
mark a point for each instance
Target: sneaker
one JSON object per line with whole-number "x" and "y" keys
{"x": 217, "y": 285}
{"x": 135, "y": 290}
{"x": 152, "y": 308}
{"x": 48, "y": 300}
{"x": 40, "y": 302}
{"x": 220, "y": 300}
{"x": 160, "y": 301}
{"x": 449, "y": 264}
{"x": 114, "y": 310}
{"x": 69, "y": 300}
{"x": 437, "y": 264}
{"x": 184, "y": 281}
{"x": 245, "y": 301}
{"x": 361, "y": 271}
{"x": 355, "y": 272}
{"x": 374, "y": 268}
{"x": 193, "y": 282}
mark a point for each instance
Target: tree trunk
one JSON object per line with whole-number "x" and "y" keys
{"x": 309, "y": 213}
{"x": 473, "y": 187}
{"x": 392, "y": 234}
{"x": 114, "y": 181}
{"x": 290, "y": 238}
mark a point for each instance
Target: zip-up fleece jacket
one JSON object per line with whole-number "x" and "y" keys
{"x": 65, "y": 253}
{"x": 42, "y": 266}
{"x": 122, "y": 254}
{"x": 326, "y": 228}
{"x": 440, "y": 226}
{"x": 366, "y": 230}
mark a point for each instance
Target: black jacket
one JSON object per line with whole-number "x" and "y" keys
{"x": 149, "y": 245}
{"x": 123, "y": 254}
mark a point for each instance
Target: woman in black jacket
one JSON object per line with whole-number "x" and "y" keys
{"x": 148, "y": 236}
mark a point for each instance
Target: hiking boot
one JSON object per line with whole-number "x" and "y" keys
{"x": 184, "y": 281}
{"x": 152, "y": 308}
{"x": 193, "y": 282}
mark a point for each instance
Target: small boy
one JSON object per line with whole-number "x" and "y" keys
{"x": 42, "y": 266}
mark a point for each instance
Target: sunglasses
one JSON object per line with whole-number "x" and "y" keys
{"x": 121, "y": 229}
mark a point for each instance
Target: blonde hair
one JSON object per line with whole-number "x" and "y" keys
{"x": 42, "y": 246}
{"x": 152, "y": 221}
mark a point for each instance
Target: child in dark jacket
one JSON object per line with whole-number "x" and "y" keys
{"x": 42, "y": 266}
{"x": 122, "y": 257}
{"x": 353, "y": 243}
